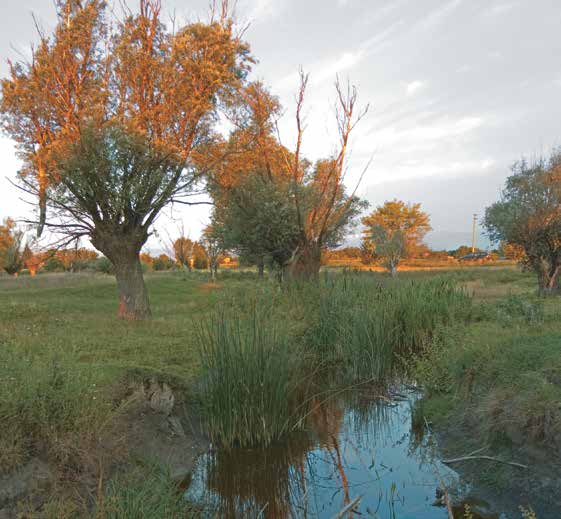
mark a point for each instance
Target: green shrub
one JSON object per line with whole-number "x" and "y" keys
{"x": 513, "y": 307}
{"x": 103, "y": 265}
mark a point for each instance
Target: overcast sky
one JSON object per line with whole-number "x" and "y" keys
{"x": 458, "y": 90}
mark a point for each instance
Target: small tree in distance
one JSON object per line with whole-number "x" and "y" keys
{"x": 529, "y": 216}
{"x": 396, "y": 215}
{"x": 13, "y": 252}
{"x": 183, "y": 252}
{"x": 393, "y": 231}
{"x": 214, "y": 249}
{"x": 390, "y": 245}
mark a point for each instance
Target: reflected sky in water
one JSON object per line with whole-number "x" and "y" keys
{"x": 359, "y": 446}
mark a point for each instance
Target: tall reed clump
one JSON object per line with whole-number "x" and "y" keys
{"x": 249, "y": 379}
{"x": 368, "y": 325}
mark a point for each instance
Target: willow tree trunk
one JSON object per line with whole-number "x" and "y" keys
{"x": 213, "y": 268}
{"x": 548, "y": 278}
{"x": 133, "y": 297}
{"x": 305, "y": 264}
{"x": 260, "y": 267}
{"x": 123, "y": 250}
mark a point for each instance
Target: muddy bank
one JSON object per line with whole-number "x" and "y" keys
{"x": 155, "y": 427}
{"x": 504, "y": 488}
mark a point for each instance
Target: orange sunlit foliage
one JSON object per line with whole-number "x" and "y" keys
{"x": 6, "y": 238}
{"x": 252, "y": 147}
{"x": 32, "y": 261}
{"x": 147, "y": 259}
{"x": 70, "y": 257}
{"x": 395, "y": 215}
{"x": 141, "y": 81}
{"x": 183, "y": 250}
{"x": 512, "y": 251}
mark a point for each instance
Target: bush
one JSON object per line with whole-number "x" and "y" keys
{"x": 163, "y": 262}
{"x": 102, "y": 265}
{"x": 200, "y": 263}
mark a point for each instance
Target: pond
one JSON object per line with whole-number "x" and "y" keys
{"x": 356, "y": 446}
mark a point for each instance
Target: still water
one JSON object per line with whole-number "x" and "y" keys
{"x": 356, "y": 446}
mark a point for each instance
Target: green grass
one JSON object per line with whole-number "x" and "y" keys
{"x": 368, "y": 324}
{"x": 501, "y": 375}
{"x": 146, "y": 494}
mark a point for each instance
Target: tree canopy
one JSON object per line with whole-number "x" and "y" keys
{"x": 395, "y": 215}
{"x": 394, "y": 230}
{"x": 271, "y": 201}
{"x": 529, "y": 216}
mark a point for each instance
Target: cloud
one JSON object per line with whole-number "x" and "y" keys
{"x": 415, "y": 86}
{"x": 499, "y": 9}
{"x": 434, "y": 18}
{"x": 259, "y": 10}
{"x": 343, "y": 62}
{"x": 421, "y": 135}
{"x": 327, "y": 68}
{"x": 407, "y": 169}
{"x": 321, "y": 71}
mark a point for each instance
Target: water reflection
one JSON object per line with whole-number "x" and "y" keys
{"x": 355, "y": 446}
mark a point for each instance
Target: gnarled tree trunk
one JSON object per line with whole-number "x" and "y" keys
{"x": 304, "y": 264}
{"x": 123, "y": 250}
{"x": 548, "y": 277}
{"x": 133, "y": 297}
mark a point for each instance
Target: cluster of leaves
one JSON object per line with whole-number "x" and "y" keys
{"x": 13, "y": 251}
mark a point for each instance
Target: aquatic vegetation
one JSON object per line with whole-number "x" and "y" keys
{"x": 369, "y": 326}
{"x": 249, "y": 379}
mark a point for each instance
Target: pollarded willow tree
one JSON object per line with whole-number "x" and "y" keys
{"x": 270, "y": 201}
{"x": 324, "y": 210}
{"x": 107, "y": 117}
{"x": 529, "y": 216}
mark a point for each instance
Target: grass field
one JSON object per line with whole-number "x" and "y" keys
{"x": 66, "y": 361}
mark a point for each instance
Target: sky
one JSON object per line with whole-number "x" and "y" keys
{"x": 457, "y": 91}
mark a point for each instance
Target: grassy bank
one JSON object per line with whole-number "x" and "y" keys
{"x": 494, "y": 386}
{"x": 501, "y": 373}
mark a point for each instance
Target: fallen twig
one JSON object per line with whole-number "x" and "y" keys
{"x": 348, "y": 508}
{"x": 447, "y": 500}
{"x": 488, "y": 458}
